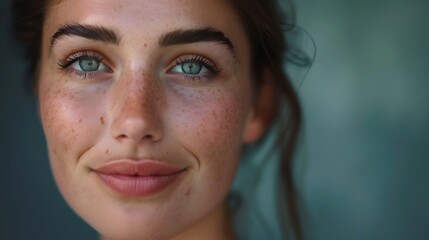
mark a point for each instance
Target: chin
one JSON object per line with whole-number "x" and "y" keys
{"x": 122, "y": 218}
{"x": 127, "y": 226}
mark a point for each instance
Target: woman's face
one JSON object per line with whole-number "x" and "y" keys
{"x": 145, "y": 106}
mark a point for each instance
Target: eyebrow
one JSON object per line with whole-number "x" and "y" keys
{"x": 208, "y": 34}
{"x": 97, "y": 33}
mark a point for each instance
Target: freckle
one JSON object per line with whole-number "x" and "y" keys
{"x": 101, "y": 120}
{"x": 145, "y": 45}
{"x": 188, "y": 192}
{"x": 80, "y": 120}
{"x": 107, "y": 151}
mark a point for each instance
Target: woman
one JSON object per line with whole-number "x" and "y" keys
{"x": 146, "y": 107}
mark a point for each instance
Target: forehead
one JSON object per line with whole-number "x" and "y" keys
{"x": 146, "y": 17}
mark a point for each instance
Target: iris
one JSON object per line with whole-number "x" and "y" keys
{"x": 89, "y": 64}
{"x": 191, "y": 68}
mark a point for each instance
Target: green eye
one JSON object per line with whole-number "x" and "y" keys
{"x": 191, "y": 68}
{"x": 89, "y": 64}
{"x": 85, "y": 64}
{"x": 194, "y": 68}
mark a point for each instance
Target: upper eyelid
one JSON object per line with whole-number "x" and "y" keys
{"x": 196, "y": 57}
{"x": 85, "y": 53}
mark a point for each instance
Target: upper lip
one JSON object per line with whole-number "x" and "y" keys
{"x": 145, "y": 167}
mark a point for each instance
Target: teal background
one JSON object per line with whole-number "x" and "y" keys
{"x": 366, "y": 105}
{"x": 362, "y": 171}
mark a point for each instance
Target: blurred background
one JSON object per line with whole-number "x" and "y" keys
{"x": 364, "y": 169}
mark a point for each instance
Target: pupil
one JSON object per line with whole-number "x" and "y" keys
{"x": 89, "y": 64}
{"x": 191, "y": 68}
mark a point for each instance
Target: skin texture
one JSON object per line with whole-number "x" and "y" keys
{"x": 139, "y": 109}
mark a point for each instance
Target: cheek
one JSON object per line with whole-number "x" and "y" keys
{"x": 208, "y": 124}
{"x": 212, "y": 124}
{"x": 68, "y": 122}
{"x": 211, "y": 120}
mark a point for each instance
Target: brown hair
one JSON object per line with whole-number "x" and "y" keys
{"x": 265, "y": 25}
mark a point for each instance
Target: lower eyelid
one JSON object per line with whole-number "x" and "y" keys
{"x": 192, "y": 78}
{"x": 86, "y": 75}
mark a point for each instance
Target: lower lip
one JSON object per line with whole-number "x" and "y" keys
{"x": 138, "y": 186}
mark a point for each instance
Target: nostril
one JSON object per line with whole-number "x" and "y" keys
{"x": 148, "y": 137}
{"x": 122, "y": 136}
{"x": 125, "y": 137}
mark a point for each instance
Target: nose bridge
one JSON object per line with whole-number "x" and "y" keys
{"x": 138, "y": 94}
{"x": 134, "y": 115}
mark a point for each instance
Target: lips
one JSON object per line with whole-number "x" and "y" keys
{"x": 138, "y": 178}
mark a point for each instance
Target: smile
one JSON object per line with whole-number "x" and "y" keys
{"x": 138, "y": 178}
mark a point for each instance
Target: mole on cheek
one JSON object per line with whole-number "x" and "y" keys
{"x": 101, "y": 120}
{"x": 65, "y": 147}
{"x": 188, "y": 192}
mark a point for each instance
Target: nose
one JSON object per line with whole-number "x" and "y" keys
{"x": 136, "y": 116}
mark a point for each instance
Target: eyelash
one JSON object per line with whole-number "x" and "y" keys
{"x": 66, "y": 63}
{"x": 213, "y": 70}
